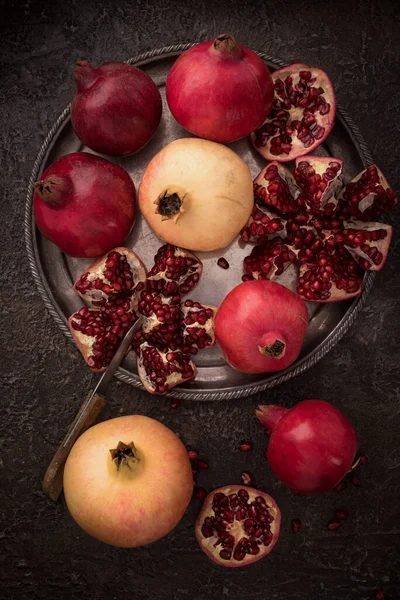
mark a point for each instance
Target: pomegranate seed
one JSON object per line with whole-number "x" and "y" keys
{"x": 356, "y": 480}
{"x": 245, "y": 446}
{"x": 175, "y": 403}
{"x": 246, "y": 478}
{"x": 202, "y": 464}
{"x": 193, "y": 454}
{"x": 223, "y": 263}
{"x": 333, "y": 525}
{"x": 340, "y": 486}
{"x": 296, "y": 524}
{"x": 341, "y": 514}
{"x": 200, "y": 493}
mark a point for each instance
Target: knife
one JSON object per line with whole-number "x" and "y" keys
{"x": 86, "y": 416}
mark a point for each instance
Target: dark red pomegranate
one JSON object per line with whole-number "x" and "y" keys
{"x": 220, "y": 90}
{"x": 302, "y": 115}
{"x": 84, "y": 204}
{"x": 312, "y": 445}
{"x": 237, "y": 525}
{"x": 260, "y": 327}
{"x": 304, "y": 219}
{"x": 116, "y": 107}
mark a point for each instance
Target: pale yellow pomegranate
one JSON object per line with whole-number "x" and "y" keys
{"x": 196, "y": 194}
{"x": 128, "y": 481}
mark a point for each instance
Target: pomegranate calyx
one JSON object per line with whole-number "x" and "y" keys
{"x": 169, "y": 206}
{"x": 270, "y": 415}
{"x": 227, "y": 45}
{"x": 124, "y": 455}
{"x": 276, "y": 349}
{"x": 84, "y": 75}
{"x": 51, "y": 190}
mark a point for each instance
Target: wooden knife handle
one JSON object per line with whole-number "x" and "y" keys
{"x": 53, "y": 479}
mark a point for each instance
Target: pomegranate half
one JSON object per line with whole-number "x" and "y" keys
{"x": 116, "y": 107}
{"x": 312, "y": 445}
{"x": 128, "y": 481}
{"x": 84, "y": 204}
{"x": 237, "y": 525}
{"x": 196, "y": 194}
{"x": 220, "y": 90}
{"x": 260, "y": 326}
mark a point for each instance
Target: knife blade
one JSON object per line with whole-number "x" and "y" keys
{"x": 86, "y": 416}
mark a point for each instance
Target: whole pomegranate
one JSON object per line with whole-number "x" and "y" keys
{"x": 260, "y": 326}
{"x": 84, "y": 204}
{"x": 312, "y": 445}
{"x": 196, "y": 194}
{"x": 220, "y": 90}
{"x": 128, "y": 481}
{"x": 238, "y": 525}
{"x": 116, "y": 107}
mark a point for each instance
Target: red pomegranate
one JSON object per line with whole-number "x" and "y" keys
{"x": 220, "y": 90}
{"x": 84, "y": 204}
{"x": 260, "y": 327}
{"x": 116, "y": 108}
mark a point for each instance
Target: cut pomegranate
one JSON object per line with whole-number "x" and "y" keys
{"x": 237, "y": 525}
{"x": 175, "y": 271}
{"x": 198, "y": 322}
{"x": 98, "y": 336}
{"x": 121, "y": 270}
{"x": 302, "y": 115}
{"x": 312, "y": 228}
{"x": 163, "y": 317}
{"x": 161, "y": 371}
{"x": 368, "y": 196}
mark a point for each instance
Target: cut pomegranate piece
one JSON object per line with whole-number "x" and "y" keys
{"x": 175, "y": 271}
{"x": 237, "y": 525}
{"x": 368, "y": 196}
{"x": 302, "y": 115}
{"x": 121, "y": 270}
{"x": 163, "y": 318}
{"x": 276, "y": 187}
{"x": 160, "y": 371}
{"x": 319, "y": 178}
{"x": 262, "y": 224}
{"x": 269, "y": 260}
{"x": 98, "y": 335}
{"x": 368, "y": 243}
{"x": 198, "y": 326}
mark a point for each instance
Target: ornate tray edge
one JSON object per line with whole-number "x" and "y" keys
{"x": 122, "y": 374}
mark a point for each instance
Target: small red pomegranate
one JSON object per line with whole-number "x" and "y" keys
{"x": 84, "y": 204}
{"x": 116, "y": 108}
{"x": 260, "y": 326}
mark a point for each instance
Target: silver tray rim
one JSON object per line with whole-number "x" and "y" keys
{"x": 122, "y": 374}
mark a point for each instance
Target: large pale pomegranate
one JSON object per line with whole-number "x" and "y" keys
{"x": 238, "y": 525}
{"x": 116, "y": 107}
{"x": 196, "y": 194}
{"x": 128, "y": 481}
{"x": 220, "y": 90}
{"x": 311, "y": 220}
{"x": 260, "y": 327}
{"x": 84, "y": 204}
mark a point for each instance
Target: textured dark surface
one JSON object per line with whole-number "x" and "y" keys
{"x": 43, "y": 379}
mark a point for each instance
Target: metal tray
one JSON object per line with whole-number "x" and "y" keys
{"x": 54, "y": 272}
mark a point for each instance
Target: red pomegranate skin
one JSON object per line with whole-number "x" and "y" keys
{"x": 116, "y": 108}
{"x": 205, "y": 89}
{"x": 96, "y": 209}
{"x": 312, "y": 447}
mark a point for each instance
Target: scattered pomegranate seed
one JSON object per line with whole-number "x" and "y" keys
{"x": 380, "y": 595}
{"x": 175, "y": 403}
{"x": 356, "y": 480}
{"x": 199, "y": 493}
{"x": 245, "y": 446}
{"x": 333, "y": 525}
{"x": 193, "y": 454}
{"x": 340, "y": 486}
{"x": 195, "y": 472}
{"x": 362, "y": 459}
{"x": 202, "y": 464}
{"x": 223, "y": 263}
{"x": 296, "y": 524}
{"x": 246, "y": 478}
{"x": 341, "y": 514}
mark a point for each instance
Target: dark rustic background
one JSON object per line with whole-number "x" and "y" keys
{"x": 43, "y": 378}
